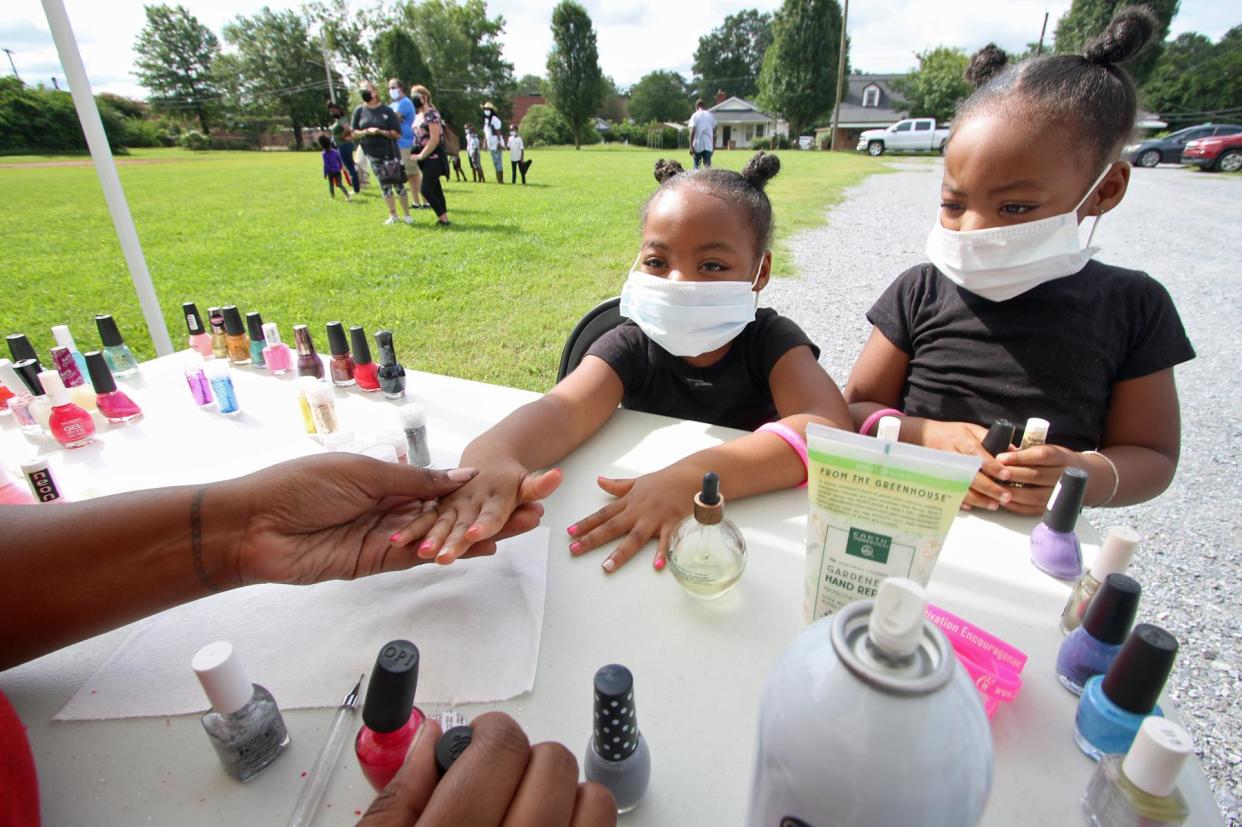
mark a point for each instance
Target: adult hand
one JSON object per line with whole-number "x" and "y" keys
{"x": 967, "y": 438}
{"x": 498, "y": 779}
{"x": 1038, "y": 470}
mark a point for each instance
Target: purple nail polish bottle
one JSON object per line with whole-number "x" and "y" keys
{"x": 1091, "y": 648}
{"x": 1055, "y": 548}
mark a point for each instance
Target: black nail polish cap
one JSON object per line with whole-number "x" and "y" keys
{"x": 21, "y": 348}
{"x": 193, "y": 321}
{"x": 1062, "y": 514}
{"x": 336, "y": 339}
{"x": 390, "y": 692}
{"x": 28, "y": 370}
{"x": 1112, "y": 610}
{"x": 359, "y": 345}
{"x": 254, "y": 326}
{"x": 451, "y": 745}
{"x": 232, "y": 320}
{"x": 1000, "y": 437}
{"x": 101, "y": 374}
{"x": 388, "y": 354}
{"x": 109, "y": 334}
{"x": 616, "y": 720}
{"x": 1137, "y": 676}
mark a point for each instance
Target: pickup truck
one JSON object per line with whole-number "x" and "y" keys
{"x": 910, "y": 135}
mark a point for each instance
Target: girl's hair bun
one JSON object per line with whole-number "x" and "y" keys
{"x": 760, "y": 169}
{"x": 666, "y": 169}
{"x": 1127, "y": 33}
{"x": 986, "y": 64}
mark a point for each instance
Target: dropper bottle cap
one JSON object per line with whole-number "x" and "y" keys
{"x": 708, "y": 503}
{"x": 1066, "y": 501}
{"x": 1116, "y": 553}
{"x": 1000, "y": 437}
{"x": 1137, "y": 675}
{"x": 1156, "y": 757}
{"x": 895, "y": 626}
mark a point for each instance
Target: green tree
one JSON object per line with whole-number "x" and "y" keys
{"x": 1196, "y": 80}
{"x": 799, "y": 76}
{"x": 660, "y": 96}
{"x": 933, "y": 89}
{"x": 175, "y": 52}
{"x": 350, "y": 32}
{"x": 730, "y": 56}
{"x": 398, "y": 56}
{"x": 1088, "y": 18}
{"x": 544, "y": 126}
{"x": 615, "y": 106}
{"x": 530, "y": 85}
{"x": 575, "y": 83}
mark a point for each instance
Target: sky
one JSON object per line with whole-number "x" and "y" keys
{"x": 635, "y": 36}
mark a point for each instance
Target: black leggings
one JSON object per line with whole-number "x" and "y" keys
{"x": 334, "y": 178}
{"x": 432, "y": 192}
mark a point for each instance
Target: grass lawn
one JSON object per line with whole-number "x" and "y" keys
{"x": 490, "y": 298}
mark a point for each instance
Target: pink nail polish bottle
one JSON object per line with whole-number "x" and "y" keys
{"x": 71, "y": 426}
{"x": 114, "y": 405}
{"x": 276, "y": 353}
{"x": 199, "y": 339}
{"x": 389, "y": 718}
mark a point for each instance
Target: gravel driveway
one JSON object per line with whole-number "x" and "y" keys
{"x": 1173, "y": 224}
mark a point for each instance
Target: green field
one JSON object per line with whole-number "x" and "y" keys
{"x": 490, "y": 298}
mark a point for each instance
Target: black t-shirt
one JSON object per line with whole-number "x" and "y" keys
{"x": 1054, "y": 352}
{"x": 733, "y": 393}
{"x": 381, "y": 117}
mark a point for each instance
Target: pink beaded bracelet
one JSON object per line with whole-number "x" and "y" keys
{"x": 794, "y": 439}
{"x": 870, "y": 421}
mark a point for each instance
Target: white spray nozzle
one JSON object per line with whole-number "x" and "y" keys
{"x": 896, "y": 624}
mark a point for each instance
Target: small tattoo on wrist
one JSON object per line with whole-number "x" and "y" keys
{"x": 196, "y": 540}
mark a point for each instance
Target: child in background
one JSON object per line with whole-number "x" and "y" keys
{"x": 1012, "y": 318}
{"x": 332, "y": 168}
{"x": 472, "y": 154}
{"x": 517, "y": 155}
{"x": 696, "y": 347}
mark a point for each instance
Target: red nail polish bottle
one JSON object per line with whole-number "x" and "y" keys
{"x": 366, "y": 372}
{"x": 114, "y": 405}
{"x": 389, "y": 718}
{"x": 71, "y": 426}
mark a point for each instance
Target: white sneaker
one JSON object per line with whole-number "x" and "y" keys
{"x": 409, "y": 219}
{"x": 392, "y": 219}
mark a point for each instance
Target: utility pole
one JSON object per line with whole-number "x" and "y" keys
{"x": 323, "y": 46}
{"x": 1039, "y": 50}
{"x": 836, "y": 107}
{"x": 55, "y": 84}
{"x": 9, "y": 52}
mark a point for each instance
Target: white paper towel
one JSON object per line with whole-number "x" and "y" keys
{"x": 477, "y": 625}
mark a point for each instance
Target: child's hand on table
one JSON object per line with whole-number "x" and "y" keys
{"x": 987, "y": 489}
{"x": 1038, "y": 470}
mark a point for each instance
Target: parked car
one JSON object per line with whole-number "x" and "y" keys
{"x": 910, "y": 135}
{"x": 1221, "y": 153}
{"x": 1168, "y": 150}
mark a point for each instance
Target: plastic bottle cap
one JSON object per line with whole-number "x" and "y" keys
{"x": 710, "y": 493}
{"x": 896, "y": 623}
{"x": 616, "y": 719}
{"x": 193, "y": 321}
{"x": 1116, "y": 553}
{"x": 390, "y": 692}
{"x": 1137, "y": 675}
{"x": 63, "y": 337}
{"x": 271, "y": 334}
{"x": 254, "y": 326}
{"x": 1000, "y": 437}
{"x": 109, "y": 333}
{"x": 224, "y": 680}
{"x": 1036, "y": 429}
{"x": 336, "y": 339}
{"x": 232, "y": 320}
{"x": 28, "y": 370}
{"x": 1113, "y": 609}
{"x": 54, "y": 386}
{"x": 889, "y": 430}
{"x": 359, "y": 345}
{"x": 10, "y": 379}
{"x": 1066, "y": 501}
{"x": 21, "y": 348}
{"x": 451, "y": 745}
{"x": 101, "y": 374}
{"x": 413, "y": 415}
{"x": 1155, "y": 758}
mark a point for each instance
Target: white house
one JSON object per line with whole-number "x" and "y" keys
{"x": 739, "y": 123}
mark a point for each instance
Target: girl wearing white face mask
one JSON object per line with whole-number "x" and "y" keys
{"x": 1012, "y": 318}
{"x": 695, "y": 347}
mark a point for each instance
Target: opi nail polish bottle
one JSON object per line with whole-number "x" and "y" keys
{"x": 113, "y": 404}
{"x": 64, "y": 338}
{"x": 707, "y": 553}
{"x": 254, "y": 326}
{"x": 71, "y": 426}
{"x": 235, "y": 338}
{"x": 199, "y": 338}
{"x": 389, "y": 718}
{"x": 221, "y": 379}
{"x": 1000, "y": 437}
{"x": 20, "y": 399}
{"x": 1114, "y": 704}
{"x": 244, "y": 723}
{"x": 11, "y": 493}
{"x": 219, "y": 339}
{"x": 275, "y": 353}
{"x": 120, "y": 358}
{"x": 20, "y": 348}
{"x": 414, "y": 425}
{"x": 1035, "y": 433}
{"x": 1055, "y": 548}
{"x": 450, "y": 747}
{"x": 322, "y": 401}
{"x": 196, "y": 378}
{"x": 41, "y": 404}
{"x": 1091, "y": 648}
{"x": 308, "y": 359}
{"x": 617, "y": 755}
{"x": 1114, "y": 557}
{"x": 75, "y": 382}
{"x": 366, "y": 372}
{"x": 41, "y": 482}
{"x": 305, "y": 384}
{"x": 342, "y": 363}
{"x": 391, "y": 374}
{"x": 1140, "y": 787}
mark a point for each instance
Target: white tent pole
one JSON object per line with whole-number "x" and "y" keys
{"x": 105, "y": 167}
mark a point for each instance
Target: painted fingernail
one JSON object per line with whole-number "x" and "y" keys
{"x": 610, "y": 565}
{"x": 572, "y": 530}
{"x": 1006, "y": 498}
{"x": 444, "y": 558}
{"x": 395, "y": 537}
{"x": 475, "y": 530}
{"x": 462, "y": 474}
{"x": 659, "y": 564}
{"x": 993, "y": 506}
{"x": 574, "y": 548}
{"x": 425, "y": 550}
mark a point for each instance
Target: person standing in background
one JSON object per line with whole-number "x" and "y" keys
{"x": 702, "y": 135}
{"x": 472, "y": 154}
{"x": 495, "y": 145}
{"x": 377, "y": 128}
{"x": 428, "y": 152}
{"x": 343, "y": 139}
{"x": 404, "y": 108}
{"x": 517, "y": 156}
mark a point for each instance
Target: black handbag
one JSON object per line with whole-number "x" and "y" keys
{"x": 391, "y": 171}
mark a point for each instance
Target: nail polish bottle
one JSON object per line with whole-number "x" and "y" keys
{"x": 1035, "y": 433}
{"x": 1000, "y": 437}
{"x": 41, "y": 404}
{"x": 11, "y": 493}
{"x": 889, "y": 429}
{"x": 235, "y": 338}
{"x": 219, "y": 339}
{"x": 391, "y": 374}
{"x": 120, "y": 358}
{"x": 113, "y": 404}
{"x": 389, "y": 718}
{"x": 308, "y": 359}
{"x": 414, "y": 424}
{"x": 366, "y": 372}
{"x": 1114, "y": 704}
{"x": 64, "y": 338}
{"x": 41, "y": 482}
{"x": 199, "y": 338}
{"x": 400, "y": 447}
{"x": 222, "y": 386}
{"x": 1055, "y": 548}
{"x": 275, "y": 353}
{"x": 75, "y": 382}
{"x": 1091, "y": 648}
{"x": 244, "y": 723}
{"x": 305, "y": 385}
{"x": 1140, "y": 787}
{"x": 258, "y": 344}
{"x": 20, "y": 348}
{"x": 617, "y": 755}
{"x": 342, "y": 363}
{"x": 1114, "y": 557}
{"x": 5, "y": 396}
{"x": 71, "y": 426}
{"x": 20, "y": 398}
{"x": 196, "y": 378}
{"x": 707, "y": 553}
{"x": 322, "y": 401}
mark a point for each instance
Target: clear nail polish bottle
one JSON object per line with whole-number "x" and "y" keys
{"x": 1091, "y": 648}
{"x": 707, "y": 553}
{"x": 1113, "y": 705}
{"x": 617, "y": 755}
{"x": 1113, "y": 558}
{"x": 1055, "y": 548}
{"x": 120, "y": 358}
{"x": 1140, "y": 787}
{"x": 21, "y": 399}
{"x": 244, "y": 723}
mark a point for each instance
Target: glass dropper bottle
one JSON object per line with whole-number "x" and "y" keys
{"x": 708, "y": 553}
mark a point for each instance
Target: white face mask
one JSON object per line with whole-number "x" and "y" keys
{"x": 1003, "y": 262}
{"x": 395, "y": 94}
{"x": 688, "y": 318}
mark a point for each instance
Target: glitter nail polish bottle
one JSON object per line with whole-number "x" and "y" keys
{"x": 391, "y": 373}
{"x": 244, "y": 723}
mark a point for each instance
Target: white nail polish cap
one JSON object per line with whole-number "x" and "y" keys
{"x": 224, "y": 680}
{"x": 412, "y": 415}
{"x": 1155, "y": 758}
{"x": 889, "y": 430}
{"x": 54, "y": 387}
{"x": 1115, "y": 555}
{"x": 1036, "y": 430}
{"x": 63, "y": 337}
{"x": 9, "y": 378}
{"x": 271, "y": 334}
{"x": 896, "y": 623}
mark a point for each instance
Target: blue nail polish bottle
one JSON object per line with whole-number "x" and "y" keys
{"x": 1091, "y": 648}
{"x": 1114, "y": 705}
{"x": 1055, "y": 548}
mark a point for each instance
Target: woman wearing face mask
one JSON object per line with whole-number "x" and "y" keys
{"x": 1012, "y": 318}
{"x": 404, "y": 107}
{"x": 428, "y": 153}
{"x": 378, "y": 128}
{"x": 495, "y": 143}
{"x": 695, "y": 347}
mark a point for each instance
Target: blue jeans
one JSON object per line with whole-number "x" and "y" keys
{"x": 704, "y": 158}
{"x": 346, "y": 149}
